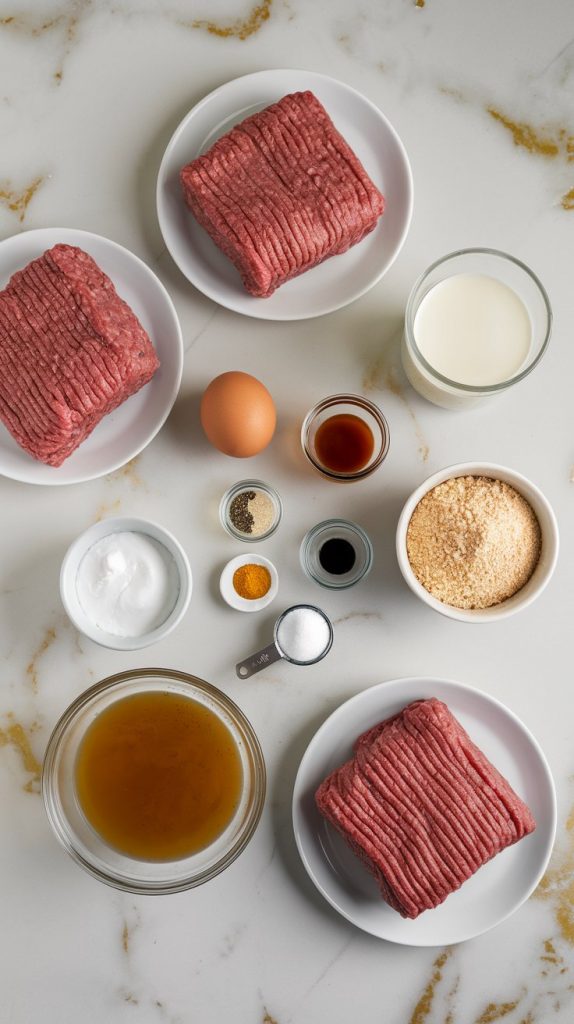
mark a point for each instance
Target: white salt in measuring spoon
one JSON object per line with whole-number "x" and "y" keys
{"x": 303, "y": 635}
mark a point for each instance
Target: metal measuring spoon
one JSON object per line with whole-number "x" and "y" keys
{"x": 274, "y": 652}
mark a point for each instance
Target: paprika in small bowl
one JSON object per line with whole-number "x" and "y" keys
{"x": 249, "y": 582}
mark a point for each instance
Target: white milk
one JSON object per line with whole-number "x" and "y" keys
{"x": 473, "y": 329}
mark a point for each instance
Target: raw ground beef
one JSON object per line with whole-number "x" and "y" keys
{"x": 281, "y": 192}
{"x": 421, "y": 806}
{"x": 71, "y": 350}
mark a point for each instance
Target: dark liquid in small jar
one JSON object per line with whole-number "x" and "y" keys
{"x": 337, "y": 556}
{"x": 158, "y": 776}
{"x": 344, "y": 443}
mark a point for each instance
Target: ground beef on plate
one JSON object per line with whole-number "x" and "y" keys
{"x": 421, "y": 806}
{"x": 71, "y": 350}
{"x": 281, "y": 192}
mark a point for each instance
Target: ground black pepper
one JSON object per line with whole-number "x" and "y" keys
{"x": 239, "y": 513}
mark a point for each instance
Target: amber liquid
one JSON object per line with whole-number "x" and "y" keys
{"x": 158, "y": 776}
{"x": 344, "y": 443}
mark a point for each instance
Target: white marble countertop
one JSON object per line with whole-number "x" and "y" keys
{"x": 483, "y": 97}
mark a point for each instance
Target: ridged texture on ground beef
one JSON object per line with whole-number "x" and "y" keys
{"x": 71, "y": 350}
{"x": 281, "y": 192}
{"x": 421, "y": 806}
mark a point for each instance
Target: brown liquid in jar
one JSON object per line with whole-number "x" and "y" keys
{"x": 344, "y": 443}
{"x": 158, "y": 776}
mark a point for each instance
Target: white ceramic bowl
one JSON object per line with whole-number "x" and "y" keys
{"x": 229, "y": 593}
{"x": 548, "y": 556}
{"x": 69, "y": 572}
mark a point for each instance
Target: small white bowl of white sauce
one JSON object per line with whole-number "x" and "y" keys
{"x": 125, "y": 583}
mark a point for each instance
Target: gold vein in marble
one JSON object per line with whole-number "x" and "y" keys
{"x": 242, "y": 28}
{"x": 129, "y": 997}
{"x": 548, "y": 141}
{"x": 27, "y": 25}
{"x": 551, "y": 958}
{"x": 452, "y": 93}
{"x": 32, "y": 667}
{"x": 15, "y": 735}
{"x": 379, "y": 376}
{"x": 128, "y": 472}
{"x": 526, "y": 136}
{"x": 557, "y": 885}
{"x": 450, "y": 1018}
{"x": 107, "y": 509}
{"x": 422, "y": 1011}
{"x": 18, "y": 201}
{"x": 268, "y": 1019}
{"x": 358, "y": 615}
{"x": 497, "y": 1011}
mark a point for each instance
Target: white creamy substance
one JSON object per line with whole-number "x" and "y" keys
{"x": 127, "y": 584}
{"x": 303, "y": 635}
{"x": 473, "y": 329}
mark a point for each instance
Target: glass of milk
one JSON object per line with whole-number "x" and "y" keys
{"x": 477, "y": 322}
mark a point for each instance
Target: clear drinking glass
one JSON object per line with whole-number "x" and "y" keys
{"x": 439, "y": 389}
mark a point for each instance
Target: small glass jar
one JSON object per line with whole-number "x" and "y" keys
{"x": 346, "y": 406}
{"x": 332, "y": 530}
{"x": 429, "y": 382}
{"x": 232, "y": 515}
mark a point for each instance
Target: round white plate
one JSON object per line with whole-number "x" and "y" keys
{"x": 498, "y": 888}
{"x": 338, "y": 280}
{"x": 123, "y": 433}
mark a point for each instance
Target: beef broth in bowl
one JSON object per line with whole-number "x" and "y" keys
{"x": 153, "y": 781}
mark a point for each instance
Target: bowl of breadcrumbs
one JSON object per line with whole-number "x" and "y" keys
{"x": 477, "y": 542}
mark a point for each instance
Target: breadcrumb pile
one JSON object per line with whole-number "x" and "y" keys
{"x": 473, "y": 541}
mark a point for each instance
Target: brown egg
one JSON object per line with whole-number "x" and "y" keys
{"x": 238, "y": 414}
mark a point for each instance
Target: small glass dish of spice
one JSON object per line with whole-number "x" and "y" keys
{"x": 249, "y": 582}
{"x": 345, "y": 437}
{"x": 250, "y": 510}
{"x": 336, "y": 554}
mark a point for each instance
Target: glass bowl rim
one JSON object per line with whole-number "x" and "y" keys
{"x": 361, "y": 402}
{"x": 474, "y": 389}
{"x": 49, "y": 784}
{"x": 316, "y": 530}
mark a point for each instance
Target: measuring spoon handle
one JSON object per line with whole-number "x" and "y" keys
{"x": 255, "y": 662}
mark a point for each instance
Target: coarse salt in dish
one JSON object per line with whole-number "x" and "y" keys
{"x": 303, "y": 635}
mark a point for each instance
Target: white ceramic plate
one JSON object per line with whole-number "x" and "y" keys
{"x": 128, "y": 429}
{"x": 498, "y": 888}
{"x": 338, "y": 280}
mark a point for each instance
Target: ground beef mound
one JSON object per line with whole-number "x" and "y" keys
{"x": 71, "y": 350}
{"x": 421, "y": 806}
{"x": 281, "y": 192}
